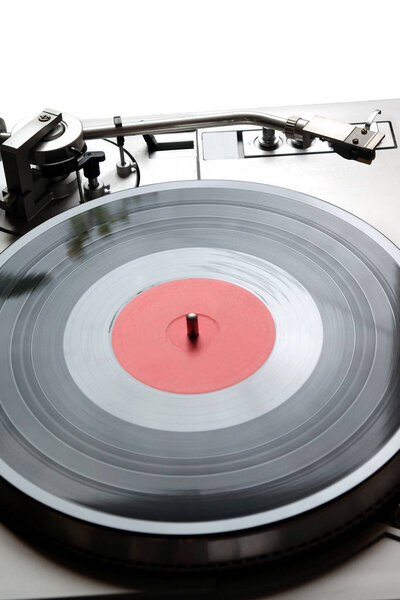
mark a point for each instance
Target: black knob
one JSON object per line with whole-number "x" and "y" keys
{"x": 90, "y": 163}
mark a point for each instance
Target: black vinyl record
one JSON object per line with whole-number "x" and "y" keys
{"x": 283, "y": 458}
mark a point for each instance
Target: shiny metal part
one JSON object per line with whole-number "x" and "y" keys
{"x": 47, "y": 138}
{"x": 124, "y": 169}
{"x": 55, "y": 141}
{"x": 105, "y": 128}
{"x": 372, "y": 117}
{"x": 122, "y": 156}
{"x": 80, "y": 189}
{"x": 340, "y": 135}
{"x": 268, "y": 140}
{"x": 124, "y": 166}
{"x": 95, "y": 188}
{"x": 291, "y": 127}
{"x": 347, "y": 140}
{"x": 302, "y": 144}
{"x": 192, "y": 325}
{"x": 252, "y": 149}
{"x": 26, "y": 193}
{"x": 298, "y": 140}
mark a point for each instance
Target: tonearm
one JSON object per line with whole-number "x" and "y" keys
{"x": 51, "y": 147}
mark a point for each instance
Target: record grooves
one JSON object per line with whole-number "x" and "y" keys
{"x": 301, "y": 443}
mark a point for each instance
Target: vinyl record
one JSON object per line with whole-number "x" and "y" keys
{"x": 271, "y": 430}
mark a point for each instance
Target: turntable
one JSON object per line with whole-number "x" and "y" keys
{"x": 200, "y": 352}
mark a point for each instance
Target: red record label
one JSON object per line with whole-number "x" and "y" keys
{"x": 236, "y": 336}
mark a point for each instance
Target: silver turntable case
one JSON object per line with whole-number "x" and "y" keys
{"x": 233, "y": 153}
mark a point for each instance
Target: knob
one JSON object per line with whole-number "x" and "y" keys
{"x": 90, "y": 163}
{"x": 268, "y": 140}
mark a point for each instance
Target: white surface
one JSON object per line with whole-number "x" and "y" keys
{"x": 26, "y": 573}
{"x": 101, "y": 58}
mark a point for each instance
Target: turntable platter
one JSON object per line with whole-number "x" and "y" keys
{"x": 275, "y": 428}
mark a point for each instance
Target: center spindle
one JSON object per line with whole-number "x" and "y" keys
{"x": 192, "y": 325}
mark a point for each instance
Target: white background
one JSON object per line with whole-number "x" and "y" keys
{"x": 101, "y": 58}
